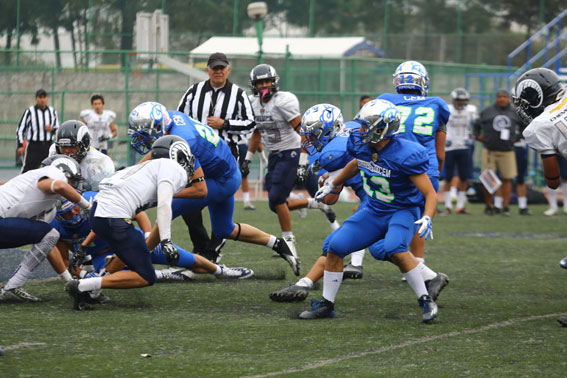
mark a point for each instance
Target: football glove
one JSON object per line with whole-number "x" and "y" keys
{"x": 424, "y": 227}
{"x": 170, "y": 251}
{"x": 326, "y": 189}
{"x": 302, "y": 175}
{"x": 245, "y": 167}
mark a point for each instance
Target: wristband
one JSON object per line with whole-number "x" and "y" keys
{"x": 52, "y": 185}
{"x": 83, "y": 203}
{"x": 249, "y": 155}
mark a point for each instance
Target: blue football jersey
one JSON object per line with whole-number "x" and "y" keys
{"x": 334, "y": 156}
{"x": 385, "y": 174}
{"x": 421, "y": 118}
{"x": 211, "y": 152}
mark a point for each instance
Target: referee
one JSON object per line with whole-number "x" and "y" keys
{"x": 37, "y": 126}
{"x": 225, "y": 107}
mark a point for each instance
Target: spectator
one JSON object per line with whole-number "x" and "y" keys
{"x": 100, "y": 123}
{"x": 497, "y": 128}
{"x": 37, "y": 126}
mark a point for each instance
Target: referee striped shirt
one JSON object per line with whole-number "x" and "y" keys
{"x": 229, "y": 103}
{"x": 31, "y": 127}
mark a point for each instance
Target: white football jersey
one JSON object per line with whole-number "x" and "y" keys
{"x": 94, "y": 167}
{"x": 459, "y": 127}
{"x": 547, "y": 133}
{"x": 272, "y": 120}
{"x": 134, "y": 189}
{"x": 99, "y": 126}
{"x": 21, "y": 198}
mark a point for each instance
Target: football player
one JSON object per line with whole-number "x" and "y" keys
{"x": 217, "y": 176}
{"x": 541, "y": 101}
{"x": 458, "y": 147}
{"x": 100, "y": 123}
{"x": 423, "y": 120}
{"x": 393, "y": 172}
{"x": 27, "y": 205}
{"x": 278, "y": 123}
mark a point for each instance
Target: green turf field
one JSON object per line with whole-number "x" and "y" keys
{"x": 497, "y": 317}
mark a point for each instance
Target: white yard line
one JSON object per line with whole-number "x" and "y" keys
{"x": 21, "y": 345}
{"x": 408, "y": 343}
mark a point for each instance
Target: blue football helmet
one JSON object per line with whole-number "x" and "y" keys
{"x": 146, "y": 123}
{"x": 319, "y": 125}
{"x": 66, "y": 207}
{"x": 379, "y": 119}
{"x": 411, "y": 75}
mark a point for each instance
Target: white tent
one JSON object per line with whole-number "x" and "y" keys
{"x": 298, "y": 47}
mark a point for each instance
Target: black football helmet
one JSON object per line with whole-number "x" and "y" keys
{"x": 264, "y": 72}
{"x": 460, "y": 94}
{"x": 73, "y": 133}
{"x": 176, "y": 148}
{"x": 534, "y": 90}
{"x": 68, "y": 166}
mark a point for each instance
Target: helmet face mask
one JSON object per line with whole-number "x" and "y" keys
{"x": 146, "y": 123}
{"x": 535, "y": 90}
{"x": 379, "y": 119}
{"x": 64, "y": 216}
{"x": 260, "y": 73}
{"x": 175, "y": 148}
{"x": 460, "y": 97}
{"x": 411, "y": 76}
{"x": 73, "y": 134}
{"x": 69, "y": 167}
{"x": 319, "y": 125}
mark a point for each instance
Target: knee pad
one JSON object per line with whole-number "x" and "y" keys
{"x": 39, "y": 251}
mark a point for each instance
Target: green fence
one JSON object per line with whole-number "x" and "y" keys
{"x": 125, "y": 80}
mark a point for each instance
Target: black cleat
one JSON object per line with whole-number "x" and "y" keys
{"x": 293, "y": 293}
{"x": 436, "y": 285}
{"x": 563, "y": 321}
{"x": 80, "y": 299}
{"x": 329, "y": 213}
{"x": 319, "y": 309}
{"x": 352, "y": 272}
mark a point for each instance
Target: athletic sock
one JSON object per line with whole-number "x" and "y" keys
{"x": 498, "y": 202}
{"x": 305, "y": 282}
{"x": 272, "y": 242}
{"x": 448, "y": 202}
{"x": 415, "y": 280}
{"x": 522, "y": 202}
{"x": 357, "y": 257}
{"x": 246, "y": 196}
{"x": 426, "y": 272}
{"x": 331, "y": 284}
{"x": 461, "y": 199}
{"x": 89, "y": 284}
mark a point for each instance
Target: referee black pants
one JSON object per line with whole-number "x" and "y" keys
{"x": 34, "y": 155}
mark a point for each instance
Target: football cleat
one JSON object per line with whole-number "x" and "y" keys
{"x": 550, "y": 212}
{"x": 18, "y": 294}
{"x": 329, "y": 213}
{"x": 293, "y": 293}
{"x": 177, "y": 274}
{"x": 525, "y": 211}
{"x": 286, "y": 250}
{"x": 80, "y": 299}
{"x": 319, "y": 309}
{"x": 445, "y": 212}
{"x": 248, "y": 206}
{"x": 352, "y": 272}
{"x": 563, "y": 263}
{"x": 436, "y": 284}
{"x": 96, "y": 297}
{"x": 239, "y": 273}
{"x": 429, "y": 307}
{"x": 563, "y": 321}
{"x": 463, "y": 211}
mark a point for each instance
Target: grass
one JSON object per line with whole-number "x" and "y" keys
{"x": 497, "y": 316}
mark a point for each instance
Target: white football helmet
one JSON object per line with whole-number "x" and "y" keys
{"x": 147, "y": 122}
{"x": 379, "y": 119}
{"x": 411, "y": 75}
{"x": 319, "y": 125}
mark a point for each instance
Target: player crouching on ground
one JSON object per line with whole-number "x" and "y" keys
{"x": 124, "y": 194}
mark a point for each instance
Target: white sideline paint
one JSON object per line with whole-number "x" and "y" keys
{"x": 405, "y": 344}
{"x": 21, "y": 345}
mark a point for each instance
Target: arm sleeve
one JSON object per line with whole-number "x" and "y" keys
{"x": 244, "y": 119}
{"x": 164, "y": 213}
